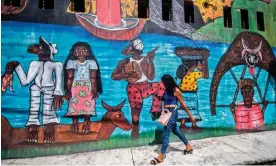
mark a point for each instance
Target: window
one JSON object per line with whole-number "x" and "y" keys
{"x": 46, "y": 4}
{"x": 78, "y": 5}
{"x": 15, "y": 3}
{"x": 244, "y": 19}
{"x": 227, "y": 17}
{"x": 260, "y": 21}
{"x": 143, "y": 8}
{"x": 167, "y": 13}
{"x": 189, "y": 11}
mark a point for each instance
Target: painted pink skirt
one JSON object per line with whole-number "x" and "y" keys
{"x": 81, "y": 102}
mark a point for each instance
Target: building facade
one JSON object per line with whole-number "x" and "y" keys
{"x": 86, "y": 75}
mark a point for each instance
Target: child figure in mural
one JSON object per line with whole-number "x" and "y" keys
{"x": 137, "y": 70}
{"x": 82, "y": 84}
{"x": 192, "y": 71}
{"x": 248, "y": 114}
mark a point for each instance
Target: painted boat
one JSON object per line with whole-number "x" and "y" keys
{"x": 127, "y": 30}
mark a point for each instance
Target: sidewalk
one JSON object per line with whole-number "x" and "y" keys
{"x": 248, "y": 148}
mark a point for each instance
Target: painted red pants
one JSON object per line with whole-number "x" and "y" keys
{"x": 139, "y": 91}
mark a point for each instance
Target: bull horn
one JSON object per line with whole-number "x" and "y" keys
{"x": 258, "y": 48}
{"x": 220, "y": 70}
{"x": 106, "y": 106}
{"x": 118, "y": 107}
{"x": 243, "y": 53}
{"x": 260, "y": 55}
{"x": 245, "y": 47}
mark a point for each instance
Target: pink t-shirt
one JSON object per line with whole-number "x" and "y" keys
{"x": 249, "y": 118}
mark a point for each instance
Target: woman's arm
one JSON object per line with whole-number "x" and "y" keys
{"x": 178, "y": 95}
{"x": 117, "y": 72}
{"x": 150, "y": 69}
{"x": 69, "y": 82}
{"x": 93, "y": 78}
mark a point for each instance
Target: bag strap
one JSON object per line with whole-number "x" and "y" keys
{"x": 175, "y": 108}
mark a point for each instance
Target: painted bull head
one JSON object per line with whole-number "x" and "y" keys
{"x": 251, "y": 56}
{"x": 116, "y": 116}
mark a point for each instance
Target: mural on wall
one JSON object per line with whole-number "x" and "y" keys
{"x": 82, "y": 84}
{"x": 108, "y": 23}
{"x": 40, "y": 75}
{"x": 211, "y": 10}
{"x": 7, "y": 80}
{"x": 248, "y": 114}
{"x": 87, "y": 7}
{"x": 223, "y": 34}
{"x": 251, "y": 50}
{"x": 99, "y": 130}
{"x": 82, "y": 92}
{"x": 137, "y": 70}
{"x": 266, "y": 1}
{"x": 119, "y": 20}
{"x": 128, "y": 7}
{"x": 11, "y": 10}
{"x": 194, "y": 67}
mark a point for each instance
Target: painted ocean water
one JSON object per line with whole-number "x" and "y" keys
{"x": 16, "y": 37}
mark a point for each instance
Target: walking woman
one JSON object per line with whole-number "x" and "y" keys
{"x": 171, "y": 98}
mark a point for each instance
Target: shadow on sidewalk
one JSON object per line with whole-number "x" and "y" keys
{"x": 157, "y": 137}
{"x": 265, "y": 163}
{"x": 158, "y": 141}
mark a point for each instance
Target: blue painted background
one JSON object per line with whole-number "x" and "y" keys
{"x": 17, "y": 36}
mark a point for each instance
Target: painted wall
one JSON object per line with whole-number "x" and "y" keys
{"x": 96, "y": 103}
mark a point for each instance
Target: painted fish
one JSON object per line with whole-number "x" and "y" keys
{"x": 6, "y": 82}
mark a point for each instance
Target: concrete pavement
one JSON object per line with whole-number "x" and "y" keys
{"x": 250, "y": 148}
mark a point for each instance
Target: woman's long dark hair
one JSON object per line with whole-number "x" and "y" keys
{"x": 90, "y": 56}
{"x": 169, "y": 84}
